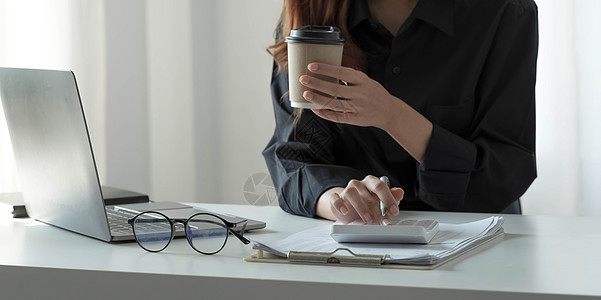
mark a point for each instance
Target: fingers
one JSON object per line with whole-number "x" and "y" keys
{"x": 355, "y": 194}
{"x": 329, "y": 102}
{"x": 378, "y": 187}
{"x": 338, "y": 204}
{"x": 338, "y": 72}
{"x": 361, "y": 199}
{"x": 342, "y": 211}
{"x": 333, "y": 89}
{"x": 365, "y": 197}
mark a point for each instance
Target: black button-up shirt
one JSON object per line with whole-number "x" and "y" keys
{"x": 468, "y": 66}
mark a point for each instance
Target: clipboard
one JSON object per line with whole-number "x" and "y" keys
{"x": 356, "y": 260}
{"x": 316, "y": 258}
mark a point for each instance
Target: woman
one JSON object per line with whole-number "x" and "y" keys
{"x": 438, "y": 96}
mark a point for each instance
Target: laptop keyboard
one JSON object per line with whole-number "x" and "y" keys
{"x": 118, "y": 221}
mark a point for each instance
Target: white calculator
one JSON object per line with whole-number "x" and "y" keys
{"x": 403, "y": 232}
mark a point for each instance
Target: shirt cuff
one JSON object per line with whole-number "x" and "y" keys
{"x": 444, "y": 174}
{"x": 302, "y": 190}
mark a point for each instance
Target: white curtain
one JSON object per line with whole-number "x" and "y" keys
{"x": 588, "y": 53}
{"x": 568, "y": 106}
{"x": 167, "y": 87}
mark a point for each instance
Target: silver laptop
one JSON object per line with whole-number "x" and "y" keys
{"x": 55, "y": 160}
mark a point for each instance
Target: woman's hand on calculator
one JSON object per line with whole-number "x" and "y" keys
{"x": 360, "y": 200}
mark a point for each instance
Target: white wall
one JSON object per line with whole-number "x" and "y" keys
{"x": 568, "y": 105}
{"x": 193, "y": 128}
{"x": 556, "y": 187}
{"x": 176, "y": 92}
{"x": 246, "y": 120}
{"x": 126, "y": 106}
{"x": 588, "y": 47}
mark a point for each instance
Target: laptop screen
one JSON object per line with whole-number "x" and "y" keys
{"x": 52, "y": 150}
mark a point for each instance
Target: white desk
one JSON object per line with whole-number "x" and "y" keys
{"x": 539, "y": 258}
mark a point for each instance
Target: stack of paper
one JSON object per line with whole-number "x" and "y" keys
{"x": 451, "y": 241}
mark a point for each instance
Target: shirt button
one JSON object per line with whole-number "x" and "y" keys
{"x": 374, "y": 26}
{"x": 396, "y": 70}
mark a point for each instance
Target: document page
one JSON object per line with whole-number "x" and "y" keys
{"x": 451, "y": 240}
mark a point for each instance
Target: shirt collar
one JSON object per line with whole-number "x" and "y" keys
{"x": 438, "y": 13}
{"x": 358, "y": 11}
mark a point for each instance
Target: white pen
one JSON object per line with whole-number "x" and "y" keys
{"x": 383, "y": 207}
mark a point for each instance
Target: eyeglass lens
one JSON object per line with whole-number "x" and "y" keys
{"x": 206, "y": 233}
{"x": 153, "y": 231}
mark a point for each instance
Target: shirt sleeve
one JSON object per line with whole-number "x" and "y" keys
{"x": 299, "y": 157}
{"x": 495, "y": 163}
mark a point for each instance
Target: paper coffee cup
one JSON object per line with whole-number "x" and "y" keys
{"x": 306, "y": 45}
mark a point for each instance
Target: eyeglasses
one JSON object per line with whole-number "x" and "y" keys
{"x": 205, "y": 232}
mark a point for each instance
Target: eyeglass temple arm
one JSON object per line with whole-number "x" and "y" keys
{"x": 240, "y": 235}
{"x": 241, "y": 238}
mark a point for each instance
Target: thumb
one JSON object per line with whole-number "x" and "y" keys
{"x": 397, "y": 193}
